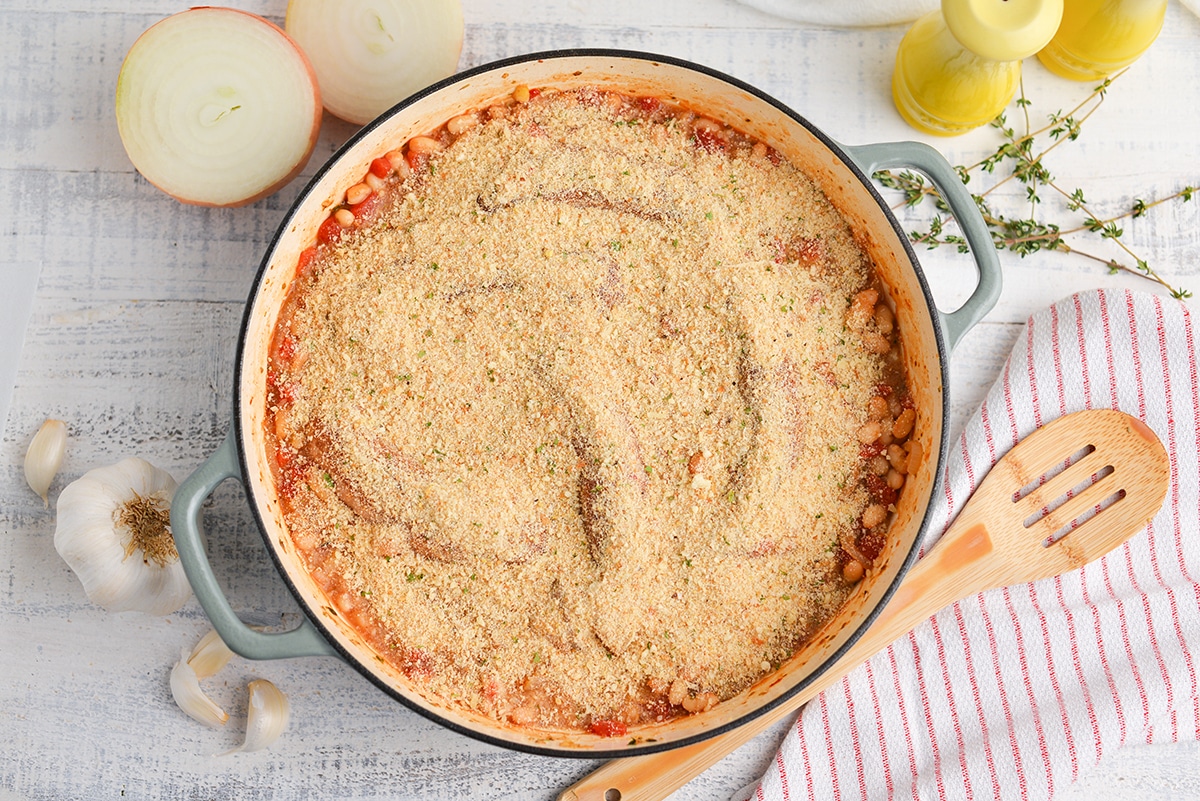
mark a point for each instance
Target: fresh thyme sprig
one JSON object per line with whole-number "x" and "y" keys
{"x": 1025, "y": 235}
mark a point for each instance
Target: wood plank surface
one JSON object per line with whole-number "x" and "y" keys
{"x": 133, "y": 333}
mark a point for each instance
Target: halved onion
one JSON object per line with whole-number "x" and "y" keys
{"x": 371, "y": 54}
{"x": 217, "y": 107}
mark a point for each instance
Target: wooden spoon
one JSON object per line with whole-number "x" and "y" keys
{"x": 1033, "y": 517}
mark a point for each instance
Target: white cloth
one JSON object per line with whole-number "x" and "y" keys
{"x": 864, "y": 13}
{"x": 846, "y": 13}
{"x": 1015, "y": 693}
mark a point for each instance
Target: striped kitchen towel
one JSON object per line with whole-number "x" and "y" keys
{"x": 1016, "y": 693}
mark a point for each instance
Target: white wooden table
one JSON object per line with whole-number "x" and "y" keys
{"x": 131, "y": 342}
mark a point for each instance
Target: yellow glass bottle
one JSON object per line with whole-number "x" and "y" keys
{"x": 957, "y": 68}
{"x": 1099, "y": 37}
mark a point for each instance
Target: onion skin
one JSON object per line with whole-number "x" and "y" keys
{"x": 148, "y": 143}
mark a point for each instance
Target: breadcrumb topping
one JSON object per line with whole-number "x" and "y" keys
{"x": 576, "y": 416}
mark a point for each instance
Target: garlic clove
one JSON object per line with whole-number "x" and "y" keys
{"x": 266, "y": 716}
{"x": 113, "y": 531}
{"x": 185, "y": 689}
{"x": 210, "y": 655}
{"x": 45, "y": 457}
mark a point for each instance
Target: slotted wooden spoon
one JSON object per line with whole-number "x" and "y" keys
{"x": 1033, "y": 517}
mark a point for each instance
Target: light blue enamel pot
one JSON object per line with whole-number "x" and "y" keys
{"x": 843, "y": 172}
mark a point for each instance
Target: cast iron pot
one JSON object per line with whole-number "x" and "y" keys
{"x": 841, "y": 171}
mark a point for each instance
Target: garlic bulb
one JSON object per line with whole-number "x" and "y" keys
{"x": 45, "y": 456}
{"x": 185, "y": 689}
{"x": 114, "y": 532}
{"x": 266, "y": 716}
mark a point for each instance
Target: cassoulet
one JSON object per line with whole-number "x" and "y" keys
{"x": 587, "y": 410}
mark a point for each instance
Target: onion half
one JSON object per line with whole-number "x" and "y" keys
{"x": 217, "y": 107}
{"x": 371, "y": 54}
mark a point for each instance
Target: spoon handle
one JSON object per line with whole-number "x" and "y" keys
{"x": 949, "y": 573}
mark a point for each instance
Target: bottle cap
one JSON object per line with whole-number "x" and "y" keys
{"x": 1003, "y": 30}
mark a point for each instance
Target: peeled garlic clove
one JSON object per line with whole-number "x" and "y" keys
{"x": 210, "y": 655}
{"x": 185, "y": 689}
{"x": 45, "y": 456}
{"x": 266, "y": 716}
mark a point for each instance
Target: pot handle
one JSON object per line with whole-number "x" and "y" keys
{"x": 922, "y": 157}
{"x": 304, "y": 640}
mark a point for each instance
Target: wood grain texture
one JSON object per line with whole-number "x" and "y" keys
{"x": 133, "y": 333}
